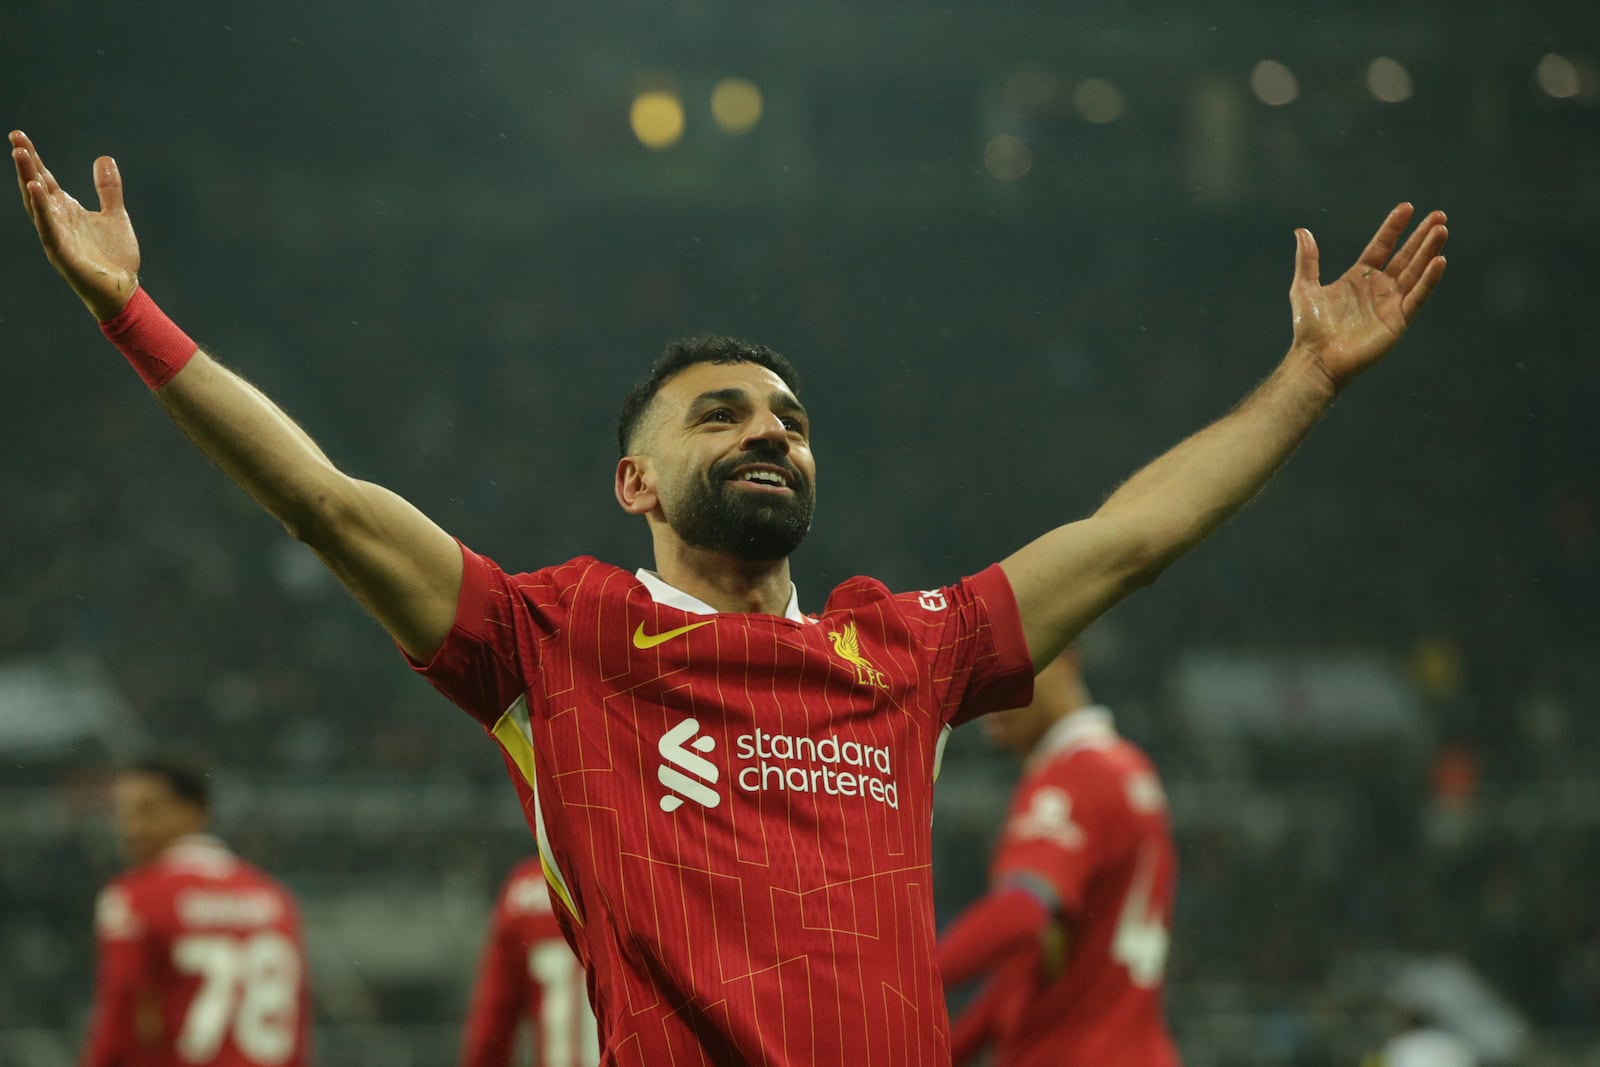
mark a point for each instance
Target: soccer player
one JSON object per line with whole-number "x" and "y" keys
{"x": 732, "y": 798}
{"x": 1074, "y": 928}
{"x": 528, "y": 972}
{"x": 201, "y": 959}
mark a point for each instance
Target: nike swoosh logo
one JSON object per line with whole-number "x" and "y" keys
{"x": 644, "y": 640}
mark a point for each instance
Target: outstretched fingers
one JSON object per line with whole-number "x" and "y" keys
{"x": 27, "y": 167}
{"x": 37, "y": 185}
{"x": 1376, "y": 254}
{"x": 1429, "y": 245}
{"x": 40, "y": 172}
{"x": 1408, "y": 252}
{"x": 1412, "y": 302}
{"x": 46, "y": 211}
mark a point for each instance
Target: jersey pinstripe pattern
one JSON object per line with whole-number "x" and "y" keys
{"x": 736, "y": 819}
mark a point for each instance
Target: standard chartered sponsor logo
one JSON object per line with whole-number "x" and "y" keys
{"x": 773, "y": 763}
{"x": 835, "y": 768}
{"x": 674, "y": 750}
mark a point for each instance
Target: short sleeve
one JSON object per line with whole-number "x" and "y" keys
{"x": 980, "y": 656}
{"x": 492, "y": 650}
{"x": 1062, "y": 825}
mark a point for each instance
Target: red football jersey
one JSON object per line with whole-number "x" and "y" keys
{"x": 1088, "y": 828}
{"x": 734, "y": 810}
{"x": 528, "y": 972}
{"x": 201, "y": 963}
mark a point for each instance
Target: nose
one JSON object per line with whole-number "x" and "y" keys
{"x": 766, "y": 430}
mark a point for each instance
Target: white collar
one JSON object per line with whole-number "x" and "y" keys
{"x": 672, "y": 597}
{"x": 1087, "y": 727}
{"x": 195, "y": 843}
{"x": 198, "y": 850}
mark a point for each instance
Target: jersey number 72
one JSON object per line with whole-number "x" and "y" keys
{"x": 249, "y": 987}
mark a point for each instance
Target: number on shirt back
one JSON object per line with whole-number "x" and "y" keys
{"x": 249, "y": 988}
{"x": 1140, "y": 943}
{"x": 566, "y": 1025}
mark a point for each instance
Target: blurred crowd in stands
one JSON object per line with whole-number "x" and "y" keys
{"x": 972, "y": 385}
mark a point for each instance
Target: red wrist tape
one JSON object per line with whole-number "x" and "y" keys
{"x": 149, "y": 340}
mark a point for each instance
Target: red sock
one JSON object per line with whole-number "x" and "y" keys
{"x": 153, "y": 343}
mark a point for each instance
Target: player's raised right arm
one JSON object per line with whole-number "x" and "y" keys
{"x": 403, "y": 568}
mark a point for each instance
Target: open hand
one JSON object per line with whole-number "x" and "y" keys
{"x": 1347, "y": 325}
{"x": 95, "y": 251}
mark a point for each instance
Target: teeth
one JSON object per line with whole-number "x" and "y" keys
{"x": 764, "y": 477}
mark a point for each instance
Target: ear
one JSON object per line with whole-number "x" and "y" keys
{"x": 636, "y": 490}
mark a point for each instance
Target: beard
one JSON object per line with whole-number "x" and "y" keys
{"x": 713, "y": 515}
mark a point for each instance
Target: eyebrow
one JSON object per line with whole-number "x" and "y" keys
{"x": 783, "y": 403}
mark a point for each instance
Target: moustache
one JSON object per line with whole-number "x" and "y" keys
{"x": 723, "y": 470}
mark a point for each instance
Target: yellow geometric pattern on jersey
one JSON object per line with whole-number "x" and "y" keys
{"x": 512, "y": 731}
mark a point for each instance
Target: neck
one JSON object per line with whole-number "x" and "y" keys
{"x": 727, "y": 584}
{"x": 1048, "y": 724}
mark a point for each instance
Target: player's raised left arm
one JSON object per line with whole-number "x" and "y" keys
{"x": 398, "y": 563}
{"x": 1073, "y": 574}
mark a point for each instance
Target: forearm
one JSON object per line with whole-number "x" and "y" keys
{"x": 403, "y": 569}
{"x": 999, "y": 926}
{"x": 255, "y": 443}
{"x": 1069, "y": 577}
{"x": 1176, "y": 501}
{"x": 393, "y": 559}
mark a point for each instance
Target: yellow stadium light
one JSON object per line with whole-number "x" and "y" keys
{"x": 1098, "y": 101}
{"x": 736, "y": 105}
{"x": 1558, "y": 76}
{"x": 1273, "y": 83}
{"x": 1388, "y": 80}
{"x": 657, "y": 119}
{"x": 1007, "y": 158}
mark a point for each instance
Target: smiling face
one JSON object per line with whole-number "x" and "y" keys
{"x": 724, "y": 452}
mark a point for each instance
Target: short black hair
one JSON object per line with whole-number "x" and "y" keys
{"x": 187, "y": 782}
{"x": 686, "y": 352}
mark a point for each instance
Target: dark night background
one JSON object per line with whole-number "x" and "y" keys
{"x": 430, "y": 233}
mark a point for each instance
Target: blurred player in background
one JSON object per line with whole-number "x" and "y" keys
{"x": 201, "y": 960}
{"x": 1073, "y": 932}
{"x": 1420, "y": 1041}
{"x": 733, "y": 799}
{"x": 529, "y": 974}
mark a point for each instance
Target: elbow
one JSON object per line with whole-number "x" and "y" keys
{"x": 1147, "y": 555}
{"x": 1146, "y": 573}
{"x": 1144, "y": 562}
{"x": 319, "y": 517}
